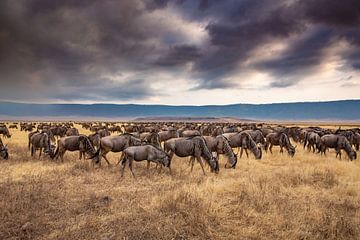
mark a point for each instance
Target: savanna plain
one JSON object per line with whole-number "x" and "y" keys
{"x": 278, "y": 197}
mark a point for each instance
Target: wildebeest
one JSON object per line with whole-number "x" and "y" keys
{"x": 217, "y": 131}
{"x": 117, "y": 144}
{"x": 190, "y": 133}
{"x": 243, "y": 141}
{"x": 13, "y": 126}
{"x": 168, "y": 134}
{"x": 312, "y": 140}
{"x": 114, "y": 129}
{"x": 220, "y": 145}
{"x": 150, "y": 137}
{"x": 103, "y": 133}
{"x": 5, "y": 132}
{"x": 142, "y": 153}
{"x": 79, "y": 143}
{"x": 95, "y": 140}
{"x": 3, "y": 151}
{"x": 58, "y": 131}
{"x": 41, "y": 141}
{"x": 257, "y": 136}
{"x": 279, "y": 139}
{"x": 72, "y": 132}
{"x": 338, "y": 142}
{"x": 195, "y": 147}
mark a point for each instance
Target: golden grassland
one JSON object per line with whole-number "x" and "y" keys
{"x": 305, "y": 197}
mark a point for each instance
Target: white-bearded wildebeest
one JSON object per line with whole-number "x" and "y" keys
{"x": 95, "y": 140}
{"x": 13, "y": 126}
{"x": 42, "y": 142}
{"x": 338, "y": 142}
{"x": 3, "y": 151}
{"x": 243, "y": 141}
{"x": 312, "y": 140}
{"x": 168, "y": 134}
{"x": 76, "y": 143}
{"x": 279, "y": 139}
{"x": 150, "y": 137}
{"x": 257, "y": 136}
{"x": 72, "y": 132}
{"x": 195, "y": 147}
{"x": 58, "y": 131}
{"x": 220, "y": 145}
{"x": 104, "y": 133}
{"x": 142, "y": 153}
{"x": 5, "y": 132}
{"x": 117, "y": 144}
{"x": 190, "y": 133}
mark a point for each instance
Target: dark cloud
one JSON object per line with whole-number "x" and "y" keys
{"x": 96, "y": 50}
{"x": 179, "y": 55}
{"x": 303, "y": 57}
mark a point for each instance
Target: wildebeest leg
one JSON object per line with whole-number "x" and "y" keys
{"x": 123, "y": 163}
{"x": 32, "y": 151}
{"x": 241, "y": 152}
{"x": 80, "y": 155}
{"x": 120, "y": 159}
{"x": 247, "y": 153}
{"x": 192, "y": 161}
{"x": 62, "y": 156}
{"x": 148, "y": 165}
{"x": 201, "y": 164}
{"x": 130, "y": 166}
{"x": 270, "y": 148}
{"x": 281, "y": 149}
{"x": 40, "y": 153}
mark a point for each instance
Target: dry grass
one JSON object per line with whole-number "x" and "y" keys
{"x": 307, "y": 197}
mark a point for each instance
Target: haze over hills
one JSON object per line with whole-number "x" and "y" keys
{"x": 334, "y": 110}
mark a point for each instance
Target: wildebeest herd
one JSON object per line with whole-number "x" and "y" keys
{"x": 159, "y": 142}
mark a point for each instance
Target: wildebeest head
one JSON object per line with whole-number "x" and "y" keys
{"x": 291, "y": 151}
{"x": 214, "y": 164}
{"x": 96, "y": 157}
{"x": 166, "y": 161}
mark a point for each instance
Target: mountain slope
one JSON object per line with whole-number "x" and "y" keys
{"x": 334, "y": 110}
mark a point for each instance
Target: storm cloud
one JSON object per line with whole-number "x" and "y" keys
{"x": 132, "y": 50}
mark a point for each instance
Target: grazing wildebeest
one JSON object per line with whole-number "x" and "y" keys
{"x": 103, "y": 133}
{"x": 312, "y": 140}
{"x": 114, "y": 129}
{"x": 220, "y": 145}
{"x": 117, "y": 144}
{"x": 168, "y": 134}
{"x": 190, "y": 133}
{"x": 41, "y": 141}
{"x": 27, "y": 127}
{"x": 3, "y": 151}
{"x": 79, "y": 143}
{"x": 58, "y": 131}
{"x": 13, "y": 126}
{"x": 5, "y": 132}
{"x": 338, "y": 142}
{"x": 257, "y": 136}
{"x": 131, "y": 128}
{"x": 195, "y": 147}
{"x": 95, "y": 140}
{"x": 150, "y": 137}
{"x": 356, "y": 141}
{"x": 279, "y": 139}
{"x": 244, "y": 141}
{"x": 142, "y": 153}
{"x": 72, "y": 132}
{"x": 217, "y": 131}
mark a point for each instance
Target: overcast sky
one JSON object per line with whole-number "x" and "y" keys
{"x": 179, "y": 52}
